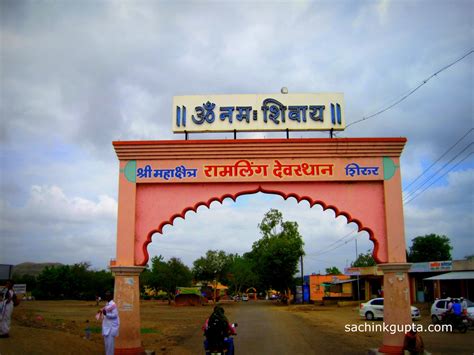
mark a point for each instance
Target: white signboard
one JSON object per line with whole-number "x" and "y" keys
{"x": 263, "y": 112}
{"x": 20, "y": 289}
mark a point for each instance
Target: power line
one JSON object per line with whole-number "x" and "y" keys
{"x": 437, "y": 160}
{"x": 437, "y": 171}
{"x": 412, "y": 91}
{"x": 467, "y": 156}
{"x": 329, "y": 248}
{"x": 318, "y": 259}
{"x": 336, "y": 247}
{"x": 337, "y": 240}
{"x": 333, "y": 243}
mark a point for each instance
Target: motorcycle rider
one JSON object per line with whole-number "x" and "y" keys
{"x": 448, "y": 315}
{"x": 457, "y": 308}
{"x": 223, "y": 336}
{"x": 450, "y": 304}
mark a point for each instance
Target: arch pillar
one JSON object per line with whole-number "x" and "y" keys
{"x": 396, "y": 301}
{"x": 397, "y": 305}
{"x": 127, "y": 297}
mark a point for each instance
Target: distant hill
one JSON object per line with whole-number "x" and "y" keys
{"x": 31, "y": 268}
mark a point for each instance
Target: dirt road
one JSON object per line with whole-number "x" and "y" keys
{"x": 262, "y": 329}
{"x": 266, "y": 328}
{"x": 57, "y": 327}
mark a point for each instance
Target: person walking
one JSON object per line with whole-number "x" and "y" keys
{"x": 110, "y": 323}
{"x": 6, "y": 309}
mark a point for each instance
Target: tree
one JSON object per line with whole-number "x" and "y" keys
{"x": 72, "y": 282}
{"x": 145, "y": 279}
{"x": 241, "y": 274}
{"x": 29, "y": 280}
{"x": 364, "y": 260}
{"x": 333, "y": 271}
{"x": 215, "y": 265}
{"x": 277, "y": 254}
{"x": 166, "y": 276}
{"x": 430, "y": 247}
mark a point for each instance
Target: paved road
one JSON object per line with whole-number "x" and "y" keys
{"x": 263, "y": 329}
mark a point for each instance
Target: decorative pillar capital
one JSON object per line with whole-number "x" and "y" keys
{"x": 395, "y": 267}
{"x": 127, "y": 270}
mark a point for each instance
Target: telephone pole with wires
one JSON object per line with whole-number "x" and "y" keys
{"x": 358, "y": 286}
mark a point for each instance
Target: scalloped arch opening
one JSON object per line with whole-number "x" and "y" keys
{"x": 170, "y": 233}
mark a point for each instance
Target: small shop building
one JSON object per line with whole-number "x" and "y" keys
{"x": 427, "y": 280}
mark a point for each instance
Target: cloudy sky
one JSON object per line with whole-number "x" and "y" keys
{"x": 77, "y": 75}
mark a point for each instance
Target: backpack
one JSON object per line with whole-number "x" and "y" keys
{"x": 216, "y": 331}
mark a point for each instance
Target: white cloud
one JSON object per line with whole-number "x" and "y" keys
{"x": 77, "y": 76}
{"x": 54, "y": 227}
{"x": 51, "y": 202}
{"x": 445, "y": 210}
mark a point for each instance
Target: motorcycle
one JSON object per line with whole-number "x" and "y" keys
{"x": 460, "y": 323}
{"x": 223, "y": 347}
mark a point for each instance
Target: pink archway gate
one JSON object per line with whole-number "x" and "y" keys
{"x": 358, "y": 178}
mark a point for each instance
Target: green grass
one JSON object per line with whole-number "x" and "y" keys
{"x": 148, "y": 331}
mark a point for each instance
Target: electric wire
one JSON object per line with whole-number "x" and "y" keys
{"x": 459, "y": 162}
{"x": 437, "y": 160}
{"x": 413, "y": 195}
{"x": 334, "y": 248}
{"x": 329, "y": 248}
{"x": 409, "y": 195}
{"x": 318, "y": 259}
{"x": 333, "y": 243}
{"x": 412, "y": 91}
{"x": 336, "y": 241}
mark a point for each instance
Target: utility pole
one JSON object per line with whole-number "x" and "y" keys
{"x": 302, "y": 280}
{"x": 358, "y": 288}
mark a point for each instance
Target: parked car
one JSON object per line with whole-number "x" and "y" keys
{"x": 440, "y": 306}
{"x": 374, "y": 309}
{"x": 245, "y": 298}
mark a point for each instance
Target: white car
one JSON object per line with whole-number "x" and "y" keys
{"x": 441, "y": 305}
{"x": 374, "y": 309}
{"x": 245, "y": 298}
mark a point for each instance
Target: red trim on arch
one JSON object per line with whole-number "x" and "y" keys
{"x": 261, "y": 141}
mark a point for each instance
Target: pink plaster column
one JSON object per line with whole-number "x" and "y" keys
{"x": 394, "y": 219}
{"x": 395, "y": 280}
{"x": 127, "y": 286}
{"x": 127, "y": 297}
{"x": 126, "y": 217}
{"x": 396, "y": 304}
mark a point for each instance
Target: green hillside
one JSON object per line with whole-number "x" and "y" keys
{"x": 31, "y": 268}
